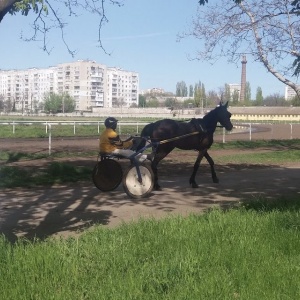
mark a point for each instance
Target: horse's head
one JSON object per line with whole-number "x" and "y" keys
{"x": 223, "y": 116}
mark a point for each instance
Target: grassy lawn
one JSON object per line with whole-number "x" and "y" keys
{"x": 250, "y": 252}
{"x": 40, "y": 130}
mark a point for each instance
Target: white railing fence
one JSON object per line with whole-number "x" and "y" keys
{"x": 241, "y": 131}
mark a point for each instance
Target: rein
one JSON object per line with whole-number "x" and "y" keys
{"x": 178, "y": 137}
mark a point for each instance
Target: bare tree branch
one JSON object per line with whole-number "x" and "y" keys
{"x": 48, "y": 17}
{"x": 267, "y": 30}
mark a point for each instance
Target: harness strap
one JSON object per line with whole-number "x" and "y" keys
{"x": 178, "y": 137}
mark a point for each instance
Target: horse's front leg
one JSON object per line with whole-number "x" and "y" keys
{"x": 193, "y": 182}
{"x": 160, "y": 154}
{"x": 212, "y": 168}
{"x": 154, "y": 169}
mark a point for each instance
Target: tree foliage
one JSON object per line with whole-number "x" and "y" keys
{"x": 267, "y": 30}
{"x": 55, "y": 103}
{"x": 227, "y": 95}
{"x": 191, "y": 91}
{"x": 275, "y": 100}
{"x": 153, "y": 102}
{"x": 170, "y": 102}
{"x": 259, "y": 96}
{"x": 142, "y": 101}
{"x": 235, "y": 97}
{"x": 199, "y": 94}
{"x": 295, "y": 101}
{"x": 181, "y": 89}
{"x": 213, "y": 99}
{"x": 247, "y": 92}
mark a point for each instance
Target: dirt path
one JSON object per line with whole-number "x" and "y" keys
{"x": 66, "y": 210}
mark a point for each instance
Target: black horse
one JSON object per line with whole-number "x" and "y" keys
{"x": 197, "y": 135}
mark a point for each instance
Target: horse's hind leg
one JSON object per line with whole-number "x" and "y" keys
{"x": 212, "y": 168}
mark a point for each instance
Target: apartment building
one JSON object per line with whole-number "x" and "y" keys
{"x": 234, "y": 88}
{"x": 289, "y": 93}
{"x": 91, "y": 84}
{"x": 24, "y": 89}
{"x": 122, "y": 88}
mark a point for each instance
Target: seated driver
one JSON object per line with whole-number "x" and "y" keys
{"x": 111, "y": 143}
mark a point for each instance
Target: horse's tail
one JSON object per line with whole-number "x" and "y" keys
{"x": 146, "y": 133}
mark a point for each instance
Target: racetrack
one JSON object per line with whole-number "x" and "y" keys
{"x": 67, "y": 209}
{"x": 82, "y": 144}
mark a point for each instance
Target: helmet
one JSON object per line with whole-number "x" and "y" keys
{"x": 111, "y": 122}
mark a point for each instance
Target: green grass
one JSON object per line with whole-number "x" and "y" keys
{"x": 39, "y": 131}
{"x": 244, "y": 253}
{"x": 272, "y": 157}
{"x": 294, "y": 143}
{"x": 55, "y": 172}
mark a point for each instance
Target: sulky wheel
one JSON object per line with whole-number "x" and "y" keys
{"x": 107, "y": 175}
{"x": 131, "y": 184}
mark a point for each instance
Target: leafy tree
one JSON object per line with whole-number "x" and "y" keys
{"x": 153, "y": 102}
{"x": 213, "y": 98}
{"x": 54, "y": 103}
{"x": 275, "y": 100}
{"x": 68, "y": 103}
{"x": 295, "y": 101}
{"x": 259, "y": 97}
{"x": 235, "y": 97}
{"x": 142, "y": 101}
{"x": 227, "y": 95}
{"x": 203, "y": 95}
{"x": 188, "y": 103}
{"x": 2, "y": 105}
{"x": 199, "y": 94}
{"x": 170, "y": 102}
{"x": 181, "y": 89}
{"x": 247, "y": 92}
{"x": 268, "y": 30}
{"x": 191, "y": 91}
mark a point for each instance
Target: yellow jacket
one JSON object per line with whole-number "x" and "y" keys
{"x": 110, "y": 140}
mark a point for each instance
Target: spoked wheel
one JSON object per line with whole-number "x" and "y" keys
{"x": 107, "y": 175}
{"x": 131, "y": 184}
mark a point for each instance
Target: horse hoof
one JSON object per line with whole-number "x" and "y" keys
{"x": 157, "y": 187}
{"x": 215, "y": 180}
{"x": 194, "y": 185}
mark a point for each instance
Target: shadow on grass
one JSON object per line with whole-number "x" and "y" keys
{"x": 54, "y": 172}
{"x": 10, "y": 157}
{"x": 280, "y": 204}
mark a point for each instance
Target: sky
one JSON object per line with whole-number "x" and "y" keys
{"x": 141, "y": 36}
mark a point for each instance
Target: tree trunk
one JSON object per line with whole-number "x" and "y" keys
{"x": 5, "y": 6}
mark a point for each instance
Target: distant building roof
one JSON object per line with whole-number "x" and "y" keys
{"x": 265, "y": 110}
